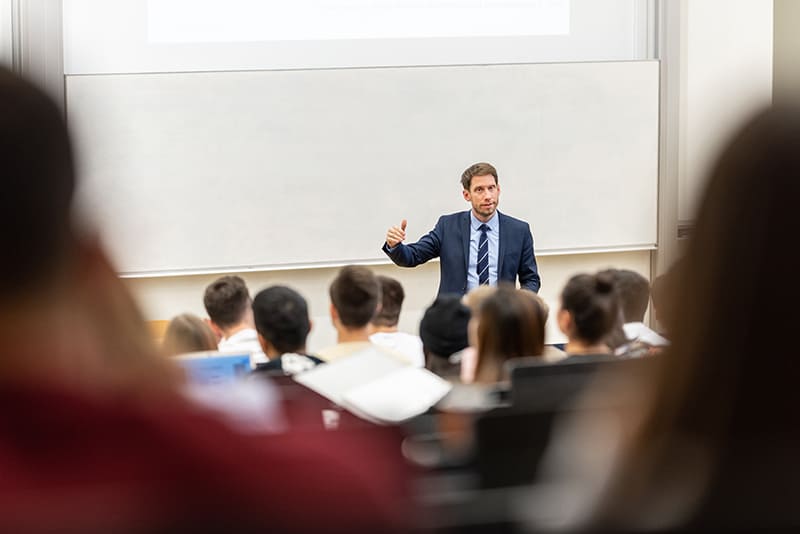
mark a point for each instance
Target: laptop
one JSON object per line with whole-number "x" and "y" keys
{"x": 212, "y": 368}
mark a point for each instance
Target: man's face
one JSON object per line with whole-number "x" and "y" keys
{"x": 483, "y": 194}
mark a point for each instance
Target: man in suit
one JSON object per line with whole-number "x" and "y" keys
{"x": 476, "y": 247}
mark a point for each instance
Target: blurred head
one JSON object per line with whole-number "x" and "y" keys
{"x": 281, "y": 317}
{"x": 443, "y": 328}
{"x": 58, "y": 280}
{"x": 633, "y": 291}
{"x": 589, "y": 308}
{"x": 511, "y": 325}
{"x": 188, "y": 333}
{"x": 735, "y": 282}
{"x": 734, "y": 285}
{"x": 355, "y": 296}
{"x": 392, "y": 296}
{"x": 38, "y": 185}
{"x": 227, "y": 301}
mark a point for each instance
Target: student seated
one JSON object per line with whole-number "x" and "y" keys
{"x": 229, "y": 307}
{"x": 384, "y": 325}
{"x": 443, "y": 330}
{"x": 510, "y": 324}
{"x": 589, "y": 312}
{"x": 281, "y": 317}
{"x": 355, "y": 297}
{"x": 187, "y": 333}
{"x": 633, "y": 291}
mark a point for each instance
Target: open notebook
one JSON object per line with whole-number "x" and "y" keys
{"x": 376, "y": 386}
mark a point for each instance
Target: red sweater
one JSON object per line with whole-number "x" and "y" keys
{"x": 73, "y": 462}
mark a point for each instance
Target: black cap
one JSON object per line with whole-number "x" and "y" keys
{"x": 443, "y": 328}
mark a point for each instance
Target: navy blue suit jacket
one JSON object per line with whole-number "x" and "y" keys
{"x": 449, "y": 240}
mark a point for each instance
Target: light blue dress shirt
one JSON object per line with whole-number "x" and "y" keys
{"x": 493, "y": 236}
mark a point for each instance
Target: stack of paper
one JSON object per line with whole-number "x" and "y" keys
{"x": 375, "y": 385}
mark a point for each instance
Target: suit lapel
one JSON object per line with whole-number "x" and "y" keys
{"x": 502, "y": 252}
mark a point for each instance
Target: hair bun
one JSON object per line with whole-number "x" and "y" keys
{"x": 603, "y": 283}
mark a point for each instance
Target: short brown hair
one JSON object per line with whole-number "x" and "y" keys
{"x": 392, "y": 296}
{"x": 633, "y": 291}
{"x": 477, "y": 169}
{"x": 355, "y": 294}
{"x": 226, "y": 300}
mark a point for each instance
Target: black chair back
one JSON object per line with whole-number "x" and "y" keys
{"x": 542, "y": 386}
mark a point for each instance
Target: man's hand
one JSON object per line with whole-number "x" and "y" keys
{"x": 396, "y": 234}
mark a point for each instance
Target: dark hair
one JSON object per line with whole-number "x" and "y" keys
{"x": 226, "y": 300}
{"x": 392, "y": 296}
{"x": 281, "y": 317}
{"x": 735, "y": 281}
{"x": 511, "y": 325}
{"x": 633, "y": 292}
{"x": 188, "y": 333}
{"x": 38, "y": 185}
{"x": 733, "y": 284}
{"x": 443, "y": 328}
{"x": 477, "y": 169}
{"x": 355, "y": 293}
{"x": 592, "y": 302}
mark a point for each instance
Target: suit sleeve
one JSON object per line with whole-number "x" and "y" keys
{"x": 528, "y": 272}
{"x": 427, "y": 248}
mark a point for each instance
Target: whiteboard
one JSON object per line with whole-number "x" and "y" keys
{"x": 141, "y": 36}
{"x": 219, "y": 171}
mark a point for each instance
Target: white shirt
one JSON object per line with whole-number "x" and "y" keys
{"x": 245, "y": 340}
{"x": 641, "y": 332}
{"x": 408, "y": 345}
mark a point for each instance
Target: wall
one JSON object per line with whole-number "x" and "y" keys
{"x": 786, "y": 63}
{"x": 162, "y": 298}
{"x": 728, "y": 75}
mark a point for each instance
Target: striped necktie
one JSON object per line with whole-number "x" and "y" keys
{"x": 483, "y": 256}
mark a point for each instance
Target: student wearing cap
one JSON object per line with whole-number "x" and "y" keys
{"x": 443, "y": 330}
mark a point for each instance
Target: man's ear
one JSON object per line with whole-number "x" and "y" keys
{"x": 466, "y": 194}
{"x": 310, "y": 324}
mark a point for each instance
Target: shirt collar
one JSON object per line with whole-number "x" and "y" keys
{"x": 492, "y": 223}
